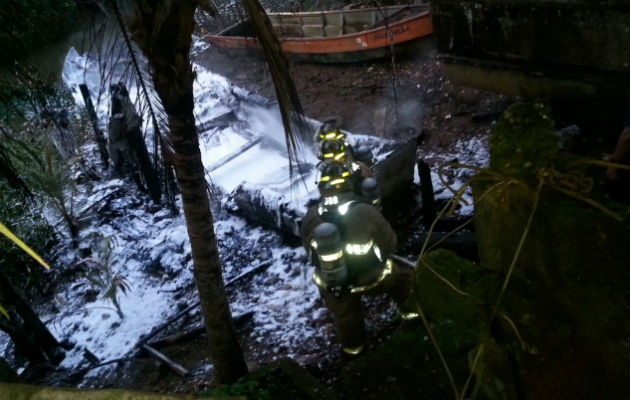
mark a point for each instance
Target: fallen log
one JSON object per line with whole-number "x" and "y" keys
{"x": 233, "y": 155}
{"x": 220, "y": 122}
{"x": 168, "y": 322}
{"x": 165, "y": 325}
{"x": 177, "y": 337}
{"x": 98, "y": 133}
{"x": 195, "y": 330}
{"x": 175, "y": 367}
{"x": 259, "y": 267}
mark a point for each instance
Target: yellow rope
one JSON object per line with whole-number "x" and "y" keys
{"x": 4, "y": 312}
{"x": 7, "y": 232}
{"x": 437, "y": 347}
{"x": 572, "y": 183}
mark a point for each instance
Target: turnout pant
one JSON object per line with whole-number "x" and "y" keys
{"x": 348, "y": 314}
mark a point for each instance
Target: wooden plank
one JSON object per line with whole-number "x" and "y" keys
{"x": 175, "y": 367}
{"x": 233, "y": 155}
{"x": 98, "y": 133}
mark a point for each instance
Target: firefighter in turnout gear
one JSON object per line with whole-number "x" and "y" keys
{"x": 333, "y": 152}
{"x": 331, "y": 144}
{"x": 349, "y": 242}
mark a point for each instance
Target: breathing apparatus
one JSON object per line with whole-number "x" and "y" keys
{"x": 334, "y": 257}
{"x": 364, "y": 154}
{"x": 370, "y": 192}
{"x": 333, "y": 272}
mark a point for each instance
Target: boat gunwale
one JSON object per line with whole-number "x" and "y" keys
{"x": 356, "y": 10}
{"x": 327, "y": 38}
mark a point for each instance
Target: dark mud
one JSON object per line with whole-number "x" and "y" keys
{"x": 381, "y": 98}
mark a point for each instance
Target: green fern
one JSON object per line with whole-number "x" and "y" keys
{"x": 100, "y": 274}
{"x": 43, "y": 171}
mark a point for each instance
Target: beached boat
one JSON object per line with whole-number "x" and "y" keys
{"x": 336, "y": 36}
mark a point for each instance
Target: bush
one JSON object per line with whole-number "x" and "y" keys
{"x": 30, "y": 24}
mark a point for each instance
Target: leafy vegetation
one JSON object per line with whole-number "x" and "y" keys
{"x": 100, "y": 273}
{"x": 32, "y": 153}
{"x": 29, "y": 24}
{"x": 26, "y": 222}
{"x": 283, "y": 379}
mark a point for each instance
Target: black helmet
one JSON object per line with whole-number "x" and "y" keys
{"x": 330, "y": 130}
{"x": 330, "y": 134}
{"x": 364, "y": 154}
{"x": 332, "y": 149}
{"x": 334, "y": 177}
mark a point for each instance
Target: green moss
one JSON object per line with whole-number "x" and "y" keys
{"x": 283, "y": 379}
{"x": 31, "y": 392}
{"x": 405, "y": 367}
{"x": 568, "y": 294}
{"x": 523, "y": 141}
{"x": 495, "y": 376}
{"x": 440, "y": 302}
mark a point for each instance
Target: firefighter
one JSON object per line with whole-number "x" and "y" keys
{"x": 332, "y": 149}
{"x": 331, "y": 142}
{"x": 349, "y": 243}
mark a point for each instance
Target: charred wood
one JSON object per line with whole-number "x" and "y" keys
{"x": 426, "y": 192}
{"x": 98, "y": 134}
{"x": 28, "y": 332}
{"x": 174, "y": 366}
{"x": 127, "y": 148}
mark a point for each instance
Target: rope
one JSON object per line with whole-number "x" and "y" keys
{"x": 572, "y": 183}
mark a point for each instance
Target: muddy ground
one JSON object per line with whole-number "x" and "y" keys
{"x": 381, "y": 98}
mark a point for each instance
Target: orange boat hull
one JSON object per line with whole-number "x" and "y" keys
{"x": 367, "y": 44}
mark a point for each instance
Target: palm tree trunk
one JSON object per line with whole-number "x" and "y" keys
{"x": 7, "y": 374}
{"x": 163, "y": 32}
{"x": 30, "y": 336}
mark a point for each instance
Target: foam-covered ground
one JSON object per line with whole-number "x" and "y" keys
{"x": 148, "y": 248}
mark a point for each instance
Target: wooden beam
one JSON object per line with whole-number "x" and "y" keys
{"x": 175, "y": 367}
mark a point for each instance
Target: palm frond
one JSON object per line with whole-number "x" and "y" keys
{"x": 11, "y": 236}
{"x": 295, "y": 127}
{"x": 121, "y": 62}
{"x": 8, "y": 172}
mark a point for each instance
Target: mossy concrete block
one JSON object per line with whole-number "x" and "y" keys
{"x": 404, "y": 367}
{"x": 441, "y": 302}
{"x": 570, "y": 287}
{"x": 282, "y": 379}
{"x": 523, "y": 141}
{"x": 494, "y": 372}
{"x": 458, "y": 319}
